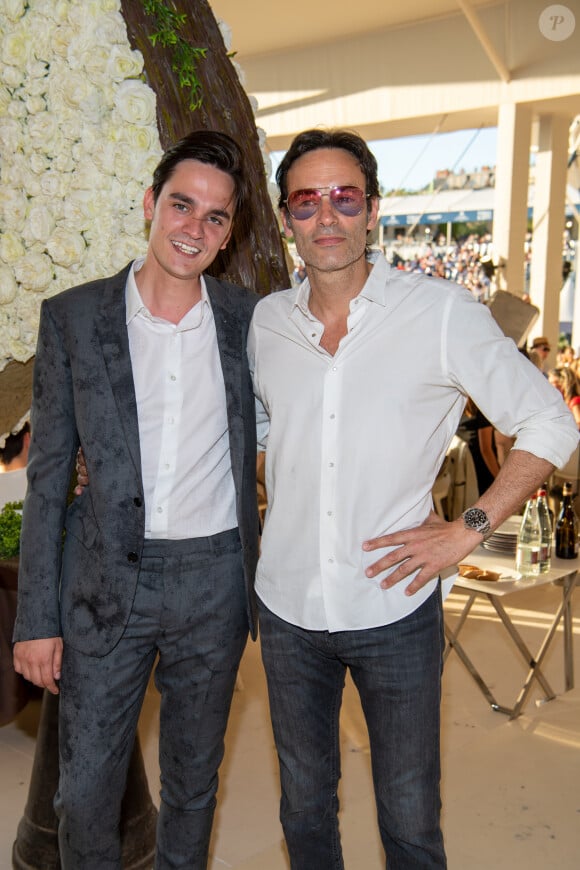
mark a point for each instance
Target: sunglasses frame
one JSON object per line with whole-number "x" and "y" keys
{"x": 329, "y": 194}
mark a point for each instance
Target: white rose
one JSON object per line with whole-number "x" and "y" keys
{"x": 12, "y": 76}
{"x": 34, "y": 271}
{"x": 126, "y": 249}
{"x": 13, "y": 9}
{"x": 32, "y": 184}
{"x": 11, "y": 247}
{"x": 56, "y": 10}
{"x": 36, "y": 69}
{"x": 125, "y": 162}
{"x": 54, "y": 183}
{"x": 142, "y": 139}
{"x": 226, "y": 33}
{"x": 111, "y": 28}
{"x": 103, "y": 155}
{"x": 5, "y": 98}
{"x": 17, "y": 109}
{"x": 16, "y": 48}
{"x": 15, "y": 169}
{"x": 35, "y": 105}
{"x": 94, "y": 63}
{"x": 62, "y": 38}
{"x": 63, "y": 162}
{"x": 13, "y": 207}
{"x": 78, "y": 211}
{"x": 123, "y": 63}
{"x": 66, "y": 247}
{"x": 135, "y": 102}
{"x": 42, "y": 132}
{"x": 88, "y": 177}
{"x": 39, "y": 225}
{"x": 8, "y": 286}
{"x": 11, "y": 136}
{"x": 133, "y": 223}
{"x": 39, "y": 163}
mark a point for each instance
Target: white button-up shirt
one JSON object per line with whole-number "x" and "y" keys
{"x": 355, "y": 440}
{"x": 183, "y": 427}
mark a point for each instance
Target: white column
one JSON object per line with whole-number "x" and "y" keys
{"x": 548, "y": 224}
{"x": 511, "y": 195}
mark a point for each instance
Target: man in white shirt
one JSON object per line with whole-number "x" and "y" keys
{"x": 147, "y": 371}
{"x": 352, "y": 552}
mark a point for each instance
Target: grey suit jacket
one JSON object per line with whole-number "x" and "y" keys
{"x": 84, "y": 395}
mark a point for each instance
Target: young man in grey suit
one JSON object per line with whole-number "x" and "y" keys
{"x": 147, "y": 371}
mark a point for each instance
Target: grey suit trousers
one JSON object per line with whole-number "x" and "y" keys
{"x": 190, "y": 612}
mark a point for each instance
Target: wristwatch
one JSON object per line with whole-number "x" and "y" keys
{"x": 477, "y": 521}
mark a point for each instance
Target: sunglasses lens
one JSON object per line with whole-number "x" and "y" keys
{"x": 347, "y": 200}
{"x": 303, "y": 204}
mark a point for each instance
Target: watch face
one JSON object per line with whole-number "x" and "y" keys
{"x": 476, "y": 519}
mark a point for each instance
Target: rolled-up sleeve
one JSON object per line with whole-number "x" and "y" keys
{"x": 507, "y": 388}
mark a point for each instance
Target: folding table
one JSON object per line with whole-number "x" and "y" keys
{"x": 563, "y": 573}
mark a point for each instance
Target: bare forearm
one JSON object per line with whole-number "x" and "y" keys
{"x": 520, "y": 475}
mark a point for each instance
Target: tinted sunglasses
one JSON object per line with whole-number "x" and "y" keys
{"x": 303, "y": 204}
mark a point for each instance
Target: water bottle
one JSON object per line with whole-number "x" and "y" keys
{"x": 546, "y": 531}
{"x": 529, "y": 541}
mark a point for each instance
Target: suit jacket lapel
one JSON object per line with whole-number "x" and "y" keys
{"x": 232, "y": 347}
{"x": 112, "y": 331}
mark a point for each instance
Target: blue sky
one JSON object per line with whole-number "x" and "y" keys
{"x": 412, "y": 161}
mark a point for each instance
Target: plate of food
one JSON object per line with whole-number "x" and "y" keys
{"x": 493, "y": 574}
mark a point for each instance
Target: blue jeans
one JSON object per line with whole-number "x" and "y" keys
{"x": 189, "y": 614}
{"x": 397, "y": 671}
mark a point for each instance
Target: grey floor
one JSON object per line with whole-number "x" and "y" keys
{"x": 511, "y": 790}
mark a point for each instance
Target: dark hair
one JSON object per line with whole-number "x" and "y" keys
{"x": 14, "y": 445}
{"x": 208, "y": 146}
{"x": 312, "y": 140}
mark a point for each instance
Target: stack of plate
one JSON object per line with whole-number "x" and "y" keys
{"x": 505, "y": 537}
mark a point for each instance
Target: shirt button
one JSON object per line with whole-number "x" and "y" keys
{"x": 331, "y": 561}
{"x": 159, "y": 510}
{"x": 331, "y": 464}
{"x": 328, "y": 513}
{"x": 173, "y": 377}
{"x": 313, "y": 335}
{"x": 132, "y": 557}
{"x": 332, "y": 416}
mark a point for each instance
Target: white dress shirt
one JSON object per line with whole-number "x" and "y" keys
{"x": 356, "y": 439}
{"x": 183, "y": 425}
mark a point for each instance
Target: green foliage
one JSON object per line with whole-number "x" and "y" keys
{"x": 184, "y": 56}
{"x": 10, "y": 523}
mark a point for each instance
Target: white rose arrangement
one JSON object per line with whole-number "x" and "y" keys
{"x": 78, "y": 143}
{"x": 78, "y": 146}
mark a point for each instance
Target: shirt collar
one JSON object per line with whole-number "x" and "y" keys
{"x": 135, "y": 305}
{"x": 375, "y": 287}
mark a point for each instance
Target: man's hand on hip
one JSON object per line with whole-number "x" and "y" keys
{"x": 429, "y": 548}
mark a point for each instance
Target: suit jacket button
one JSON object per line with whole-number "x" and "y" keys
{"x": 137, "y": 501}
{"x": 132, "y": 557}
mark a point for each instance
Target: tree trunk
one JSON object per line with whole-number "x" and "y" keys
{"x": 256, "y": 256}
